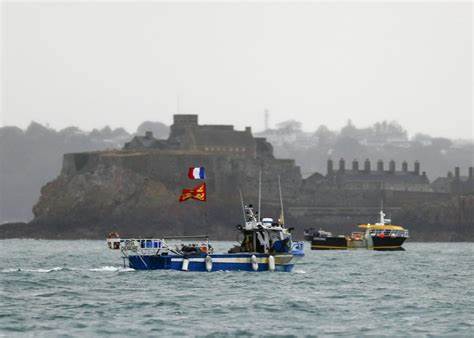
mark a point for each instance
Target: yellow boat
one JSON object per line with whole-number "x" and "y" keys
{"x": 378, "y": 236}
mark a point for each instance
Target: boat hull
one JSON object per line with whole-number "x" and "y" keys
{"x": 374, "y": 243}
{"x": 387, "y": 243}
{"x": 329, "y": 243}
{"x": 220, "y": 262}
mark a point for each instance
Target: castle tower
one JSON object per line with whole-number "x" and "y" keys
{"x": 185, "y": 120}
{"x": 330, "y": 167}
{"x": 380, "y": 166}
{"x": 181, "y": 129}
{"x": 367, "y": 166}
{"x": 342, "y": 165}
{"x": 404, "y": 166}
{"x": 417, "y": 168}
{"x": 355, "y": 166}
{"x": 471, "y": 173}
{"x": 391, "y": 167}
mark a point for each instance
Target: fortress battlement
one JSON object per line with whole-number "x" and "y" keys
{"x": 366, "y": 169}
{"x": 365, "y": 177}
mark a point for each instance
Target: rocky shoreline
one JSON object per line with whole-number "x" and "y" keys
{"x": 32, "y": 231}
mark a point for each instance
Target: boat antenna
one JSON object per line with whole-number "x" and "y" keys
{"x": 382, "y": 215}
{"x": 242, "y": 204}
{"x": 282, "y": 215}
{"x": 259, "y": 195}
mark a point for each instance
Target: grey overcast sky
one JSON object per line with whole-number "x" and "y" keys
{"x": 93, "y": 64}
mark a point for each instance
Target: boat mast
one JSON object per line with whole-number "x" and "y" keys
{"x": 254, "y": 233}
{"x": 382, "y": 215}
{"x": 243, "y": 207}
{"x": 282, "y": 215}
{"x": 259, "y": 195}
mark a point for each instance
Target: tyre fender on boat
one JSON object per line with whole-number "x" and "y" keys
{"x": 208, "y": 263}
{"x": 185, "y": 265}
{"x": 271, "y": 263}
{"x": 253, "y": 259}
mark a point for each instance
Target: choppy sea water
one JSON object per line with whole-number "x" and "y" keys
{"x": 80, "y": 288}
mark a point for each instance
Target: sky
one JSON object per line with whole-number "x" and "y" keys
{"x": 92, "y": 64}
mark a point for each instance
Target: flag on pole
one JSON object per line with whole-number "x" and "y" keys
{"x": 197, "y": 193}
{"x": 196, "y": 173}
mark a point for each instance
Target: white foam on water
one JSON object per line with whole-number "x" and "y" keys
{"x": 111, "y": 269}
{"x": 55, "y": 269}
{"x": 32, "y": 270}
{"x": 126, "y": 269}
{"x": 300, "y": 271}
{"x": 10, "y": 270}
{"x": 43, "y": 270}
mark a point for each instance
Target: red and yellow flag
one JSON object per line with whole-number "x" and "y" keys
{"x": 198, "y": 193}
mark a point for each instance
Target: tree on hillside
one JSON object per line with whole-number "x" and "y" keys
{"x": 349, "y": 130}
{"x": 348, "y": 147}
{"x": 289, "y": 126}
{"x": 325, "y": 136}
{"x": 160, "y": 130}
{"x": 389, "y": 130}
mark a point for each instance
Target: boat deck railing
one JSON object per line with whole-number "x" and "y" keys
{"x": 388, "y": 233}
{"x": 153, "y": 246}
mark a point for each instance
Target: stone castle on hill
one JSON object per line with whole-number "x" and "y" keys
{"x": 135, "y": 190}
{"x": 187, "y": 135}
{"x": 231, "y": 157}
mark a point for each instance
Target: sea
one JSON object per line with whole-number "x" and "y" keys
{"x": 80, "y": 288}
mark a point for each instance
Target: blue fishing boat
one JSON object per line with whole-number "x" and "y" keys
{"x": 265, "y": 246}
